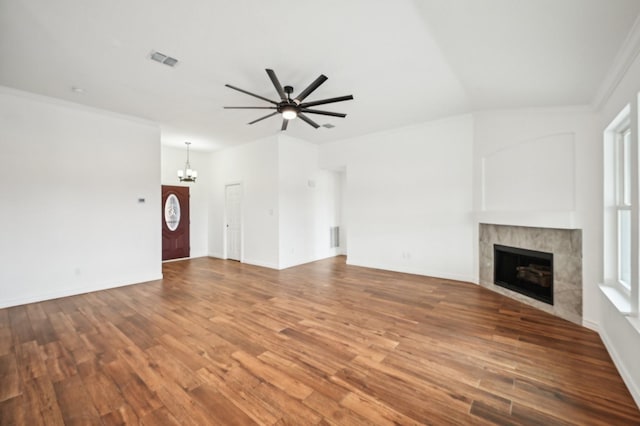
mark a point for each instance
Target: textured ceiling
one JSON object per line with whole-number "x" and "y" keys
{"x": 404, "y": 61}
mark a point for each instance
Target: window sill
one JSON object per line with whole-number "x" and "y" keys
{"x": 635, "y": 322}
{"x": 617, "y": 298}
{"x": 623, "y": 305}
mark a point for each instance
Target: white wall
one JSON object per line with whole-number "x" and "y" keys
{"x": 408, "y": 198}
{"x": 70, "y": 180}
{"x": 621, "y": 334}
{"x": 255, "y": 167}
{"x": 288, "y": 203}
{"x": 173, "y": 159}
{"x": 518, "y": 178}
{"x": 309, "y": 201}
{"x": 570, "y": 182}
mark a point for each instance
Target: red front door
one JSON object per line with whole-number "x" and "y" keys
{"x": 175, "y": 222}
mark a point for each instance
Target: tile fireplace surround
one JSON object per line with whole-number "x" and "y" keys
{"x": 566, "y": 246}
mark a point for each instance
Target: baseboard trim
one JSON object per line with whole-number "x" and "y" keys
{"x": 414, "y": 271}
{"x": 634, "y": 390}
{"x": 260, "y": 263}
{"x": 41, "y": 297}
{"x": 329, "y": 256}
{"x": 591, "y": 325}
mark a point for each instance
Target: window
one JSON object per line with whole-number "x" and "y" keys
{"x": 623, "y": 205}
{"x": 621, "y": 221}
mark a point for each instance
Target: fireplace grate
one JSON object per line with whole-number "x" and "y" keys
{"x": 527, "y": 272}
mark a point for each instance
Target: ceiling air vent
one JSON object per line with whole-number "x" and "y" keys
{"x": 163, "y": 59}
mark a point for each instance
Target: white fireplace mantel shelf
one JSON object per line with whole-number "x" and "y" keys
{"x": 540, "y": 219}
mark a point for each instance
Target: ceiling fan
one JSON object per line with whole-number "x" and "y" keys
{"x": 292, "y": 108}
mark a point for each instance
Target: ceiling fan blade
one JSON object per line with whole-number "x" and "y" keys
{"x": 313, "y": 86}
{"x": 327, "y": 101}
{"x": 308, "y": 120}
{"x": 276, "y": 84}
{"x": 249, "y": 107}
{"x": 251, "y": 94}
{"x": 285, "y": 123}
{"x": 315, "y": 111}
{"x": 262, "y": 118}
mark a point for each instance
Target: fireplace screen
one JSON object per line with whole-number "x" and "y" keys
{"x": 527, "y": 272}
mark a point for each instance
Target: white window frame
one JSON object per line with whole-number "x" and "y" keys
{"x": 621, "y": 189}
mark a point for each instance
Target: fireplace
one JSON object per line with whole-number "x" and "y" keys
{"x": 527, "y": 272}
{"x": 566, "y": 246}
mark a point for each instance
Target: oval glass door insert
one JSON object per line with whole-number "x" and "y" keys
{"x": 172, "y": 212}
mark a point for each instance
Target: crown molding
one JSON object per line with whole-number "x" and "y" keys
{"x": 628, "y": 52}
{"x": 46, "y": 99}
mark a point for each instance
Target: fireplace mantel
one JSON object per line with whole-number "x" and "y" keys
{"x": 536, "y": 219}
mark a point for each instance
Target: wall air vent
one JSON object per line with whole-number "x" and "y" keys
{"x": 163, "y": 59}
{"x": 334, "y": 236}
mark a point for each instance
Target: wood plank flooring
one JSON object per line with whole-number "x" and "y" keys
{"x": 222, "y": 343}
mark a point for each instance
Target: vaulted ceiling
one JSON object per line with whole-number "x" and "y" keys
{"x": 404, "y": 61}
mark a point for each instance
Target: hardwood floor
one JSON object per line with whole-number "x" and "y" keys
{"x": 219, "y": 342}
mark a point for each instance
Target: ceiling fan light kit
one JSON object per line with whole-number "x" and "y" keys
{"x": 292, "y": 108}
{"x": 289, "y": 113}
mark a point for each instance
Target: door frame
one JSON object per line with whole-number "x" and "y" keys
{"x": 224, "y": 220}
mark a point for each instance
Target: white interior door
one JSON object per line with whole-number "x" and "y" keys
{"x": 233, "y": 202}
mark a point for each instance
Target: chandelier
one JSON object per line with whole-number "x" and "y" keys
{"x": 187, "y": 174}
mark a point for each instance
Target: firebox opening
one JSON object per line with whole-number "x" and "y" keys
{"x": 527, "y": 272}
